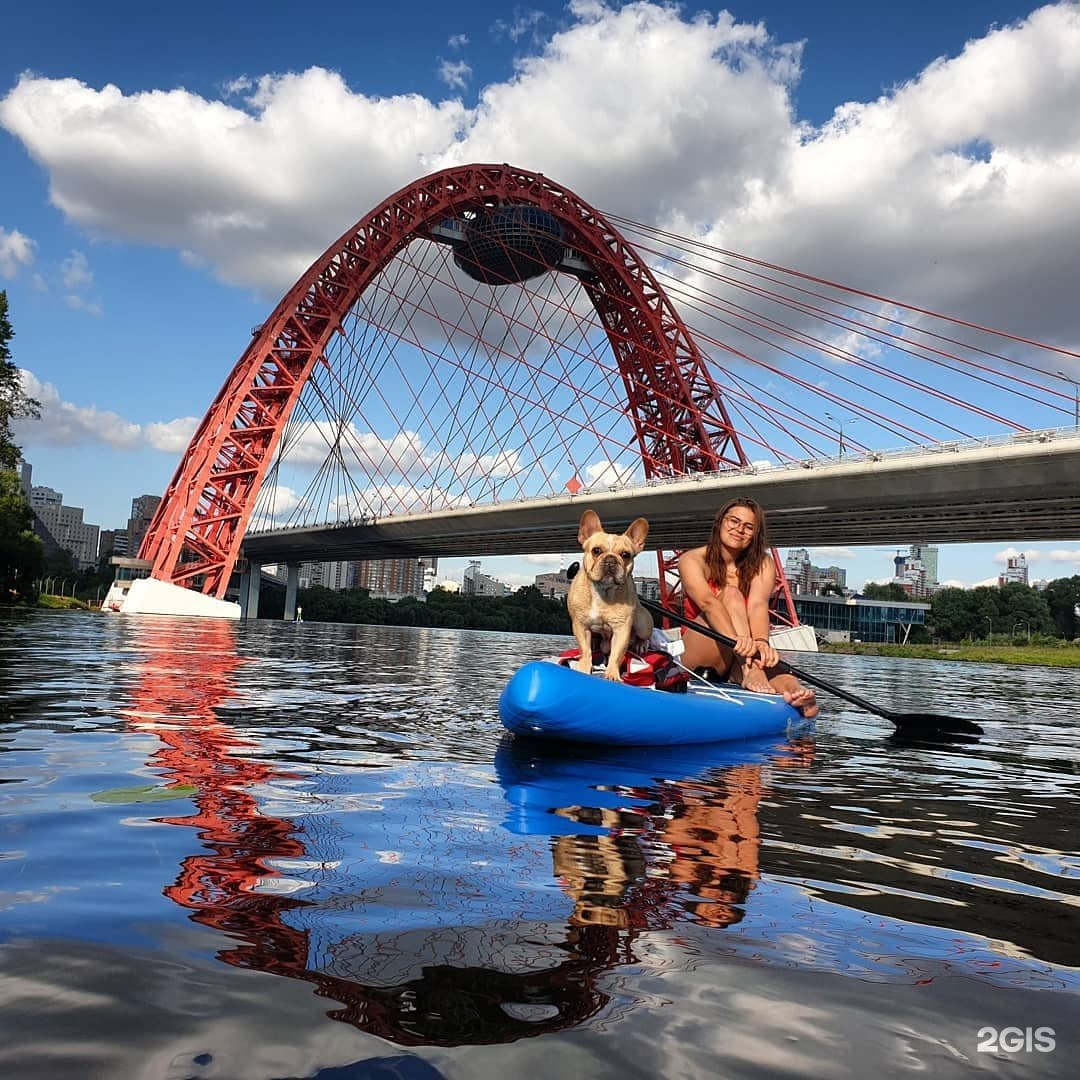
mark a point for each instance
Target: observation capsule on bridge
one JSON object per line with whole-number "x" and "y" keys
{"x": 509, "y": 244}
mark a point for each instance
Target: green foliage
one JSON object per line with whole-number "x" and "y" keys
{"x": 526, "y": 611}
{"x": 20, "y": 549}
{"x": 1055, "y": 654}
{"x": 59, "y": 563}
{"x": 890, "y": 591}
{"x": 1010, "y": 611}
{"x": 1063, "y": 600}
{"x": 13, "y": 402}
{"x": 951, "y": 615}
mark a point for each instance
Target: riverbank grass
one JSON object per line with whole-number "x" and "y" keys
{"x": 1052, "y": 654}
{"x": 62, "y": 603}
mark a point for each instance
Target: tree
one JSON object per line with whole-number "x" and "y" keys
{"x": 20, "y": 549}
{"x": 1063, "y": 600}
{"x": 958, "y": 613}
{"x": 13, "y": 402}
{"x": 952, "y": 614}
{"x": 889, "y": 591}
{"x": 1021, "y": 604}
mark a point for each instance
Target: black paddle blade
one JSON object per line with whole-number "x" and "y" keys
{"x": 926, "y": 723}
{"x": 905, "y": 737}
{"x": 914, "y": 724}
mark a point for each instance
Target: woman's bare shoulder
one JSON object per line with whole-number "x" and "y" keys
{"x": 766, "y": 572}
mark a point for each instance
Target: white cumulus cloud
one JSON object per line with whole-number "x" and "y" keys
{"x": 171, "y": 436}
{"x": 63, "y": 423}
{"x": 16, "y": 250}
{"x": 1063, "y": 556}
{"x": 1008, "y": 553}
{"x": 455, "y": 73}
{"x": 79, "y": 303}
{"x": 953, "y": 191}
{"x": 832, "y": 553}
{"x": 75, "y": 271}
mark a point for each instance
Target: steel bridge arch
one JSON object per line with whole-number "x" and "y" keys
{"x": 680, "y": 420}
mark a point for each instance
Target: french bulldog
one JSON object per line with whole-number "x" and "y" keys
{"x": 602, "y": 599}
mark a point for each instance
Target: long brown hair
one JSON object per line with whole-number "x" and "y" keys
{"x": 748, "y": 562}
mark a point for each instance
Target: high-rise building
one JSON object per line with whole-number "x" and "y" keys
{"x": 648, "y": 588}
{"x": 928, "y": 556}
{"x": 910, "y": 575}
{"x": 40, "y": 497}
{"x": 1016, "y": 570}
{"x": 797, "y": 570}
{"x": 916, "y": 570}
{"x": 113, "y": 542}
{"x": 553, "y": 585}
{"x": 143, "y": 508}
{"x": 60, "y": 527}
{"x": 392, "y": 579}
{"x": 66, "y": 526}
{"x": 820, "y": 576}
{"x": 337, "y": 575}
{"x": 805, "y": 579}
{"x": 475, "y": 583}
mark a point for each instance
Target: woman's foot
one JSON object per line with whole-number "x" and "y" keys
{"x": 755, "y": 680}
{"x": 804, "y": 700}
{"x": 795, "y": 694}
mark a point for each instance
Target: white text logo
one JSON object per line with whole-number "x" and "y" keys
{"x": 1013, "y": 1039}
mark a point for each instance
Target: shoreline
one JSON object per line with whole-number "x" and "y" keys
{"x": 1060, "y": 654}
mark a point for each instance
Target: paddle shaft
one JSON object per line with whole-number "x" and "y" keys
{"x": 906, "y": 723}
{"x": 783, "y": 666}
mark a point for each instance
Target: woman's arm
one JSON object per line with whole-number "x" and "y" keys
{"x": 757, "y": 610}
{"x": 694, "y": 577}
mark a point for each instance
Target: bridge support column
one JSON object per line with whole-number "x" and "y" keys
{"x": 292, "y": 583}
{"x": 242, "y": 589}
{"x": 249, "y": 596}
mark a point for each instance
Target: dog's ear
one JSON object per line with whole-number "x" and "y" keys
{"x": 638, "y": 531}
{"x": 590, "y": 523}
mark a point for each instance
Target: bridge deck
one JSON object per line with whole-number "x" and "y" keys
{"x": 1025, "y": 489}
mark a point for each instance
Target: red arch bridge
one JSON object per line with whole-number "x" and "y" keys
{"x": 484, "y": 354}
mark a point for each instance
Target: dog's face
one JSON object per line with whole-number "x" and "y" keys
{"x": 608, "y": 558}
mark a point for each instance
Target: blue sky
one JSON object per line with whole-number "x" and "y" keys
{"x": 131, "y": 308}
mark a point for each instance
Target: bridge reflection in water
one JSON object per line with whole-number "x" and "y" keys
{"x": 427, "y": 939}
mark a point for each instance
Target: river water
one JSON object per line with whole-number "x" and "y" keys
{"x": 274, "y": 851}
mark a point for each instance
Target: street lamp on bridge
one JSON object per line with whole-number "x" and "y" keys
{"x": 1076, "y": 396}
{"x": 840, "y": 422}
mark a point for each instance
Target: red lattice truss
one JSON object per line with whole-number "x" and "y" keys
{"x": 679, "y": 418}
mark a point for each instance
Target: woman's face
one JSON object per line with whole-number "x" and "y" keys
{"x": 737, "y": 528}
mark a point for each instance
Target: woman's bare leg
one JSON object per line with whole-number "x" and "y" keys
{"x": 700, "y": 651}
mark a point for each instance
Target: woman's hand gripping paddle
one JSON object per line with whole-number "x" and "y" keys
{"x": 918, "y": 723}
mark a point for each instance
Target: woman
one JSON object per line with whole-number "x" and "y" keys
{"x": 727, "y": 585}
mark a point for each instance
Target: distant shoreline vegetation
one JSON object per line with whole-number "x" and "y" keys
{"x": 526, "y": 611}
{"x": 1045, "y": 654}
